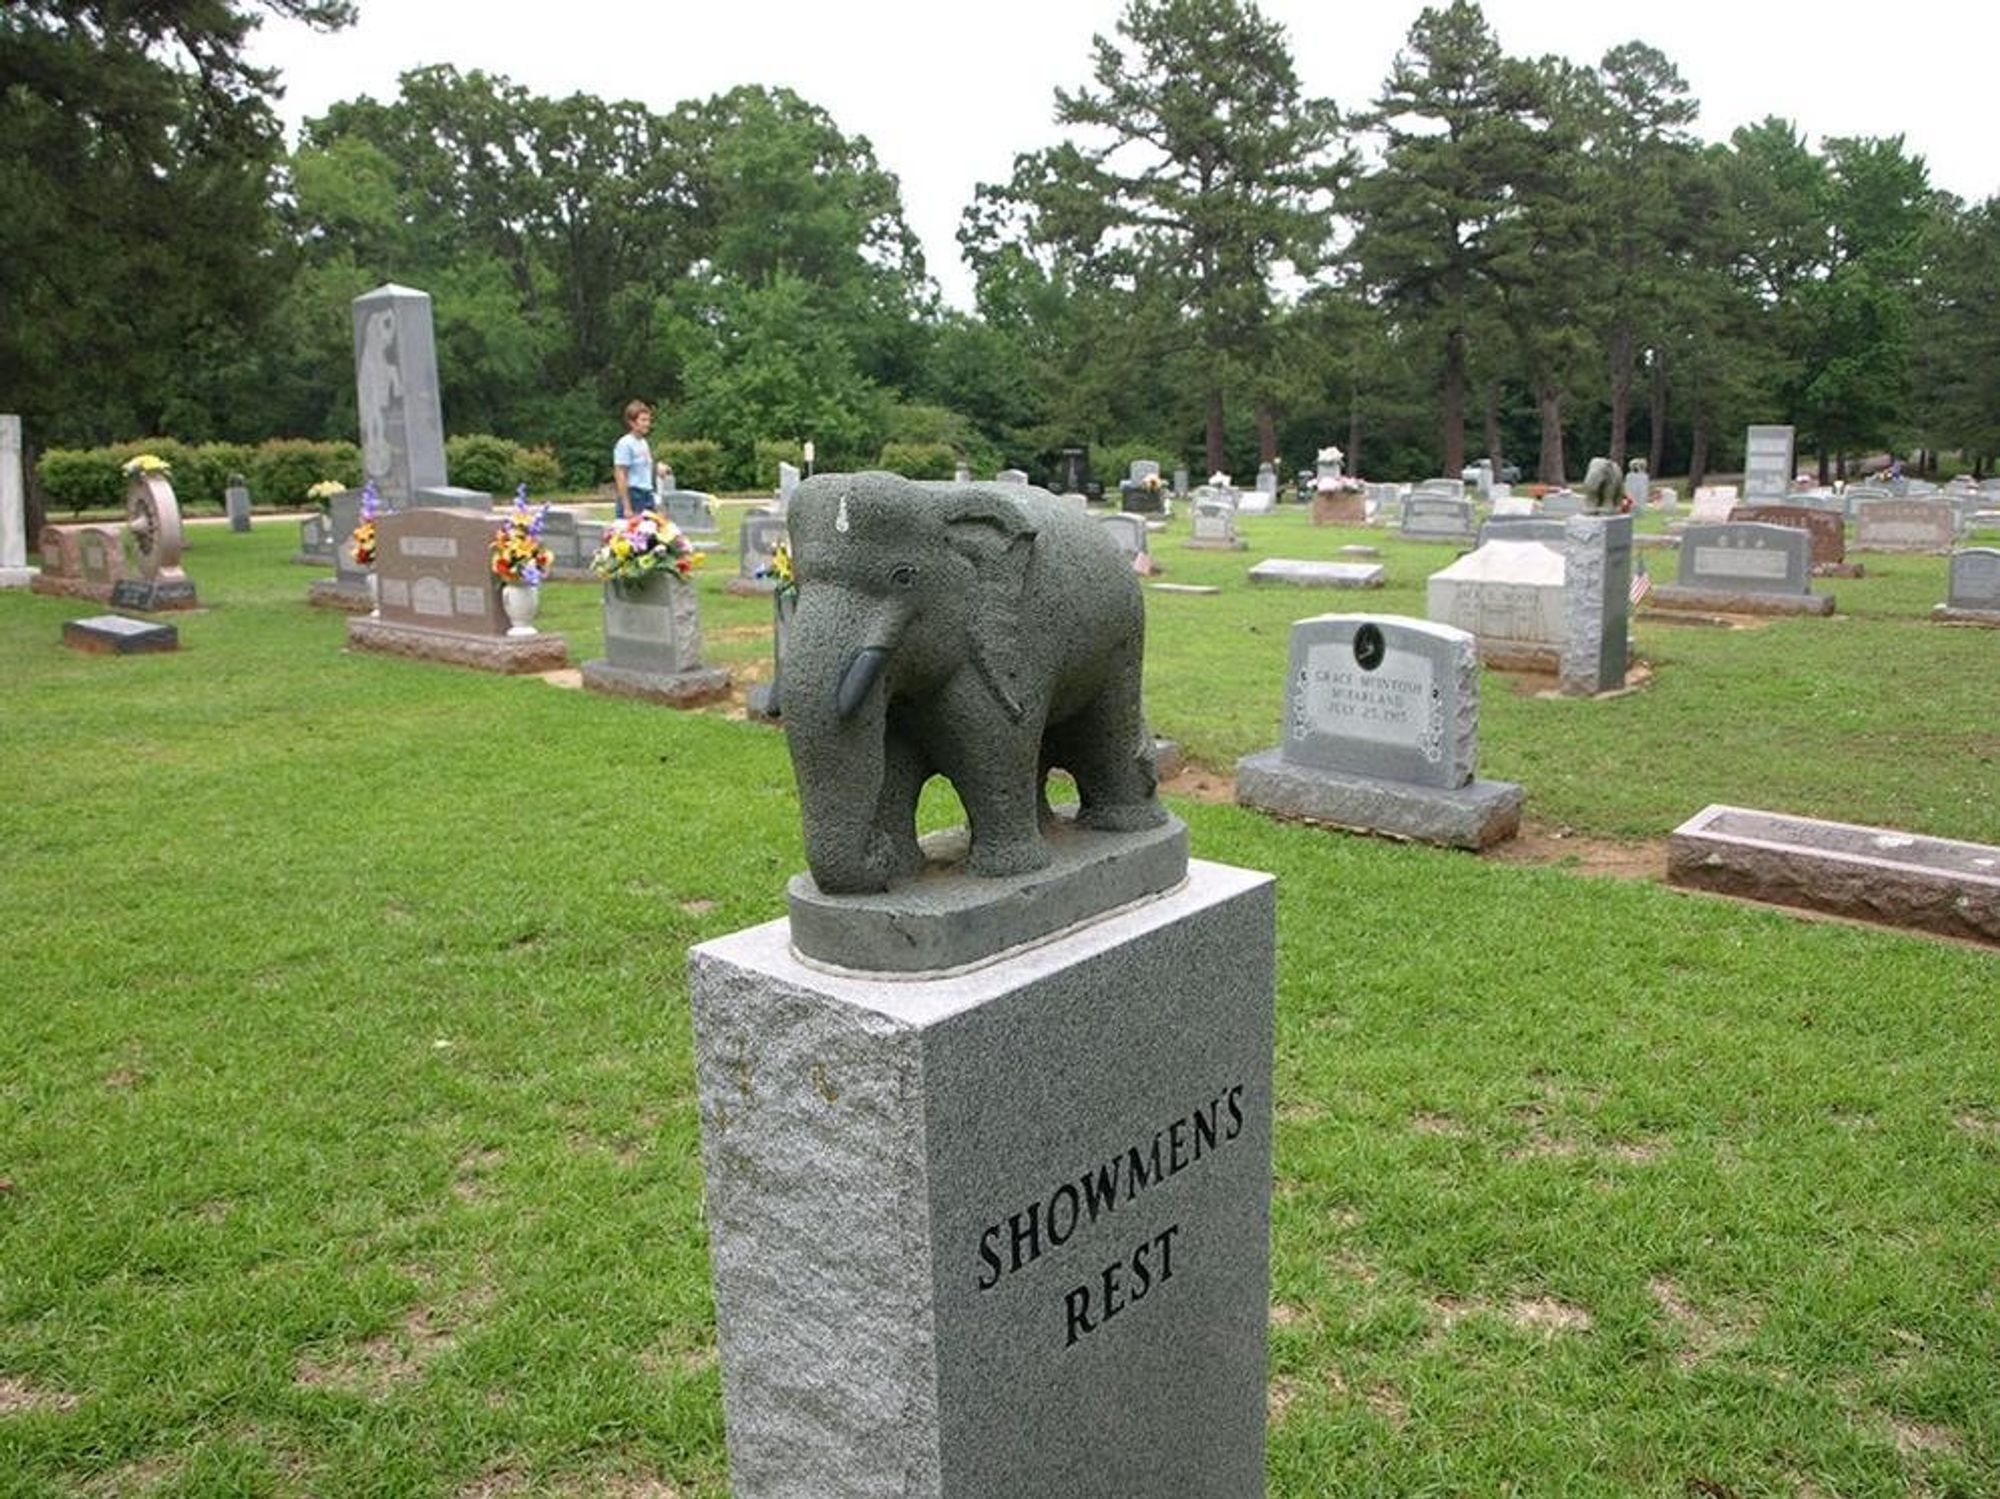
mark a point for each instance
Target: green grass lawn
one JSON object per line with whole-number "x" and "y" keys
{"x": 347, "y": 1118}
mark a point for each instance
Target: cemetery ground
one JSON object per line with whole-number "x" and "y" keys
{"x": 348, "y": 1141}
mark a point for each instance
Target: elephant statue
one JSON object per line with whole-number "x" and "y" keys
{"x": 1602, "y": 487}
{"x": 982, "y": 632}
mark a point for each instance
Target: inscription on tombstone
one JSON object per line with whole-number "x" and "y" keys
{"x": 1905, "y": 526}
{"x": 1382, "y": 697}
{"x": 1745, "y": 557}
{"x": 396, "y": 392}
{"x": 1437, "y": 517}
{"x": 1824, "y": 528}
{"x": 1768, "y": 462}
{"x": 434, "y": 570}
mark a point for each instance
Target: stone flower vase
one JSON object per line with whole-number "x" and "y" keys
{"x": 652, "y": 624}
{"x": 521, "y": 601}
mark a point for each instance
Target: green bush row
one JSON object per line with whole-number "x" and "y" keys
{"x": 279, "y": 472}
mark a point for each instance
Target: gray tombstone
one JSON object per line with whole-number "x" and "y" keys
{"x": 1768, "y": 463}
{"x": 755, "y": 545}
{"x": 1215, "y": 524}
{"x": 1904, "y": 526}
{"x": 788, "y": 480}
{"x": 1561, "y": 504}
{"x": 1597, "y": 603}
{"x": 1180, "y": 481}
{"x": 1509, "y": 595}
{"x": 652, "y": 627}
{"x": 1010, "y": 476}
{"x": 14, "y": 569}
{"x": 1129, "y": 531}
{"x": 396, "y": 393}
{"x": 1450, "y": 488}
{"x": 316, "y": 538}
{"x": 1975, "y": 580}
{"x": 1303, "y": 572}
{"x": 692, "y": 510}
{"x": 1267, "y": 479}
{"x": 1638, "y": 483}
{"x": 434, "y": 571}
{"x": 1745, "y": 557}
{"x": 1434, "y": 516}
{"x": 1544, "y": 528}
{"x": 1141, "y": 470}
{"x": 1380, "y": 732}
{"x": 236, "y": 501}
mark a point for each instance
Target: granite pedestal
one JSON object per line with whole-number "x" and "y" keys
{"x": 514, "y": 655}
{"x": 1475, "y": 816}
{"x": 999, "y": 1234}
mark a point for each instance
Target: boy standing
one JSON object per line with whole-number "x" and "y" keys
{"x": 632, "y": 461}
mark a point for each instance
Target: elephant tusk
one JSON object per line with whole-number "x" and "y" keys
{"x": 858, "y": 679}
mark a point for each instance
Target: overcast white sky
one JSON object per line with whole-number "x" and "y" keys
{"x": 948, "y": 92}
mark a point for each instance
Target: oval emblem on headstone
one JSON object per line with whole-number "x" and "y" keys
{"x": 1369, "y": 647}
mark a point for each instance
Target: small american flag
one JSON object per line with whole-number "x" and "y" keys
{"x": 1642, "y": 582}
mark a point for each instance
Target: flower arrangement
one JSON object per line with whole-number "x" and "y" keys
{"x": 362, "y": 538}
{"x": 322, "y": 493}
{"x": 1220, "y": 480}
{"x": 1345, "y": 484}
{"x": 779, "y": 569}
{"x": 1153, "y": 484}
{"x": 518, "y": 553}
{"x": 146, "y": 463}
{"x": 640, "y": 545}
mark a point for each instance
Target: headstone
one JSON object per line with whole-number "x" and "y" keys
{"x": 1267, "y": 479}
{"x": 1011, "y": 476}
{"x": 1825, "y": 530}
{"x": 396, "y": 393}
{"x": 1141, "y": 493}
{"x": 1561, "y": 504}
{"x": 1744, "y": 567}
{"x": 1512, "y": 506}
{"x": 236, "y": 501}
{"x": 115, "y": 635}
{"x": 347, "y": 589}
{"x": 1141, "y": 470}
{"x": 1872, "y": 874}
{"x": 1385, "y": 501}
{"x": 100, "y": 555}
{"x": 692, "y": 510}
{"x": 1713, "y": 504}
{"x": 1974, "y": 593}
{"x": 1380, "y": 732}
{"x": 1326, "y": 464}
{"x": 755, "y": 545}
{"x": 1180, "y": 481}
{"x": 1509, "y": 595}
{"x": 1336, "y": 503}
{"x": 1254, "y": 501}
{"x": 1597, "y": 604}
{"x": 1638, "y": 484}
{"x": 1072, "y": 471}
{"x": 1450, "y": 488}
{"x": 438, "y": 598}
{"x": 1437, "y": 517}
{"x": 62, "y": 570}
{"x": 14, "y": 569}
{"x": 1905, "y": 526}
{"x": 1543, "y": 528}
{"x": 652, "y": 644}
{"x": 788, "y": 480}
{"x": 1215, "y": 525}
{"x": 1303, "y": 573}
{"x": 1480, "y": 477}
{"x": 153, "y": 524}
{"x": 1768, "y": 463}
{"x": 1129, "y": 531}
{"x": 572, "y": 539}
{"x": 316, "y": 539}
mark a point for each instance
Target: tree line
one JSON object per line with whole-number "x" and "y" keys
{"x": 1521, "y": 258}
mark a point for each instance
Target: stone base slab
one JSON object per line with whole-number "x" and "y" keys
{"x": 57, "y": 587}
{"x": 1720, "y": 601}
{"x": 683, "y": 689}
{"x": 154, "y": 595}
{"x": 1475, "y": 816}
{"x": 18, "y": 577}
{"x": 1300, "y": 573}
{"x": 913, "y": 1295}
{"x": 1944, "y": 613}
{"x": 751, "y": 587}
{"x": 1874, "y": 874}
{"x": 511, "y": 655}
{"x": 115, "y": 635}
{"x": 1205, "y": 545}
{"x": 946, "y": 918}
{"x": 328, "y": 593}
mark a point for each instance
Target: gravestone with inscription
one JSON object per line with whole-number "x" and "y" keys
{"x": 1129, "y": 532}
{"x": 1744, "y": 568}
{"x": 996, "y": 1224}
{"x": 438, "y": 598}
{"x": 1437, "y": 517}
{"x": 1380, "y": 733}
{"x": 153, "y": 527}
{"x": 315, "y": 540}
{"x": 1509, "y": 596}
{"x": 236, "y": 503}
{"x": 396, "y": 395}
{"x": 62, "y": 570}
{"x": 1597, "y": 604}
{"x": 1904, "y": 526}
{"x": 14, "y": 569}
{"x": 652, "y": 644}
{"x": 1215, "y": 525}
{"x": 348, "y": 587}
{"x": 1974, "y": 594}
{"x": 1768, "y": 463}
{"x": 1825, "y": 529}
{"x": 756, "y": 543}
{"x": 100, "y": 560}
{"x": 1713, "y": 504}
{"x": 1561, "y": 504}
{"x": 693, "y": 510}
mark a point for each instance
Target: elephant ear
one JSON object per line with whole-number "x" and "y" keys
{"x": 996, "y": 532}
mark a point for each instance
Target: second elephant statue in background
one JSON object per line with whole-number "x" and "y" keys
{"x": 983, "y": 632}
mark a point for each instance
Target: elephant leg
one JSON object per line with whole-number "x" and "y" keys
{"x": 904, "y": 771}
{"x": 994, "y": 763}
{"x": 1107, "y": 747}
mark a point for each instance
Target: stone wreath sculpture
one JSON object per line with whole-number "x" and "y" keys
{"x": 983, "y": 632}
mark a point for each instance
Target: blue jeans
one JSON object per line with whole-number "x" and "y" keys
{"x": 642, "y": 499}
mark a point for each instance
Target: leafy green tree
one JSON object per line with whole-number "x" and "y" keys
{"x": 136, "y": 175}
{"x": 1457, "y": 122}
{"x": 1201, "y": 168}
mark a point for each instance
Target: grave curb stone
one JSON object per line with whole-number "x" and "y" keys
{"x": 858, "y": 1136}
{"x": 1474, "y": 816}
{"x": 1840, "y": 867}
{"x": 683, "y": 689}
{"x": 509, "y": 655}
{"x": 1720, "y": 601}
